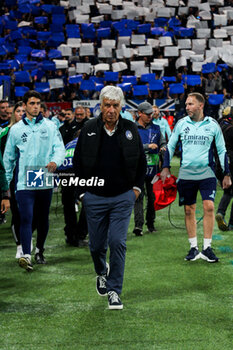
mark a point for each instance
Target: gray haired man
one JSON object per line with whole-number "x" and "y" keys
{"x": 109, "y": 148}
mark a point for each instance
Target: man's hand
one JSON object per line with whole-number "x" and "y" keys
{"x": 164, "y": 174}
{"x": 137, "y": 193}
{"x": 5, "y": 205}
{"x": 51, "y": 167}
{"x": 153, "y": 146}
{"x": 226, "y": 182}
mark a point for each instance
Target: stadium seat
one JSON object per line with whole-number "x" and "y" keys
{"x": 140, "y": 90}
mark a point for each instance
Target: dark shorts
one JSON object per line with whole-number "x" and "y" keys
{"x": 188, "y": 190}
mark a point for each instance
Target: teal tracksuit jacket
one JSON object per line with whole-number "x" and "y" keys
{"x": 197, "y": 141}
{"x": 32, "y": 144}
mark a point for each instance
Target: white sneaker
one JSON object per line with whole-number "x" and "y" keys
{"x": 19, "y": 252}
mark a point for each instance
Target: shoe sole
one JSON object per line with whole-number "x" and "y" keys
{"x": 221, "y": 224}
{"x": 203, "y": 257}
{"x": 24, "y": 264}
{"x": 196, "y": 258}
{"x": 115, "y": 307}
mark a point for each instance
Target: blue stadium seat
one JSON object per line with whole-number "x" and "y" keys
{"x": 129, "y": 79}
{"x": 169, "y": 79}
{"x": 74, "y": 79}
{"x": 98, "y": 86}
{"x": 149, "y": 77}
{"x": 157, "y": 31}
{"x": 184, "y": 32}
{"x": 215, "y": 99}
{"x": 156, "y": 85}
{"x": 20, "y": 90}
{"x": 126, "y": 87}
{"x": 144, "y": 28}
{"x": 58, "y": 19}
{"x": 42, "y": 87}
{"x": 43, "y": 36}
{"x": 41, "y": 20}
{"x": 131, "y": 24}
{"x": 192, "y": 80}
{"x": 5, "y": 78}
{"x": 38, "y": 53}
{"x": 24, "y": 50}
{"x": 87, "y": 85}
{"x": 48, "y": 65}
{"x": 140, "y": 90}
{"x": 111, "y": 76}
{"x": 103, "y": 33}
{"x": 161, "y": 21}
{"x": 176, "y": 89}
{"x": 30, "y": 65}
{"x": 72, "y": 31}
{"x": 54, "y": 54}
{"x": 22, "y": 77}
{"x": 208, "y": 68}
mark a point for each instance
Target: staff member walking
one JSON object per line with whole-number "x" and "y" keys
{"x": 110, "y": 148}
{"x": 198, "y": 134}
{"x": 34, "y": 144}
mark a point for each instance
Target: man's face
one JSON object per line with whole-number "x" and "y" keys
{"x": 156, "y": 113}
{"x": 32, "y": 107}
{"x": 145, "y": 118}
{"x": 110, "y": 110}
{"x": 9, "y": 112}
{"x": 3, "y": 108}
{"x": 69, "y": 116}
{"x": 193, "y": 107}
{"x": 79, "y": 114}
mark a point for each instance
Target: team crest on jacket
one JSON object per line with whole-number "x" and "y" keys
{"x": 128, "y": 134}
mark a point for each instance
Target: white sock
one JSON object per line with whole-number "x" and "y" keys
{"x": 193, "y": 242}
{"x": 207, "y": 243}
{"x": 37, "y": 250}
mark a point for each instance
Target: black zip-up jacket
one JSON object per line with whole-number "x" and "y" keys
{"x": 127, "y": 151}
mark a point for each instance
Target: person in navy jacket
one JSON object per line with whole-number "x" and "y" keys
{"x": 153, "y": 142}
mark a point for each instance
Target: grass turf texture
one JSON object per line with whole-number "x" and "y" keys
{"x": 168, "y": 303}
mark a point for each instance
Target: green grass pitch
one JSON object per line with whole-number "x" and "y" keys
{"x": 169, "y": 304}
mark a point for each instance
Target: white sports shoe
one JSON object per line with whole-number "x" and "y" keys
{"x": 19, "y": 252}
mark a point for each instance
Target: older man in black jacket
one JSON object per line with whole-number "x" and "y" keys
{"x": 110, "y": 161}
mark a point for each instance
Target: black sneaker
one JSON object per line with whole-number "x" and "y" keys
{"x": 138, "y": 231}
{"x": 101, "y": 282}
{"x": 72, "y": 242}
{"x": 151, "y": 229}
{"x": 39, "y": 258}
{"x": 209, "y": 255}
{"x": 114, "y": 302}
{"x": 25, "y": 263}
{"x": 193, "y": 254}
{"x": 83, "y": 243}
{"x": 222, "y": 225}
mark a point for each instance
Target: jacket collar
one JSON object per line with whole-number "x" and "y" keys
{"x": 38, "y": 118}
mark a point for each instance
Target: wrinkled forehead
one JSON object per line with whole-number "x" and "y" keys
{"x": 107, "y": 100}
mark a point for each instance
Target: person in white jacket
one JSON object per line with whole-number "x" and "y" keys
{"x": 35, "y": 148}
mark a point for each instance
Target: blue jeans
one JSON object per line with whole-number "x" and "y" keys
{"x": 108, "y": 220}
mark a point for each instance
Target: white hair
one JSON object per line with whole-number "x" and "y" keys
{"x": 112, "y": 93}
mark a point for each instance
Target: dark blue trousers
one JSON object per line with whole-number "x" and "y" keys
{"x": 108, "y": 220}
{"x": 26, "y": 200}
